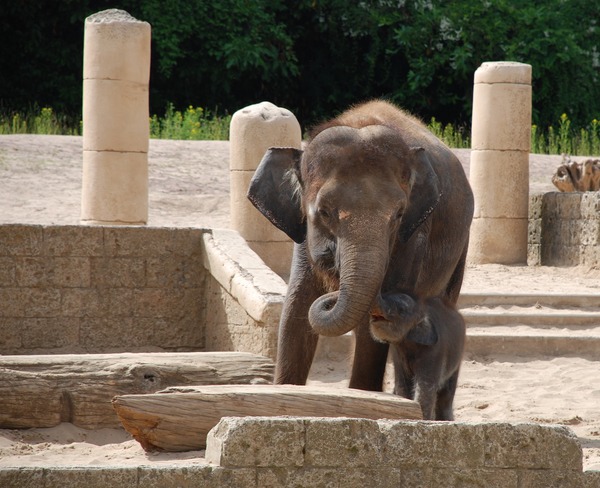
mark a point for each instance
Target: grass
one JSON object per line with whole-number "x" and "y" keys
{"x": 196, "y": 123}
{"x": 192, "y": 124}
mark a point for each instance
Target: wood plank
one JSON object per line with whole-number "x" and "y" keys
{"x": 178, "y": 419}
{"x": 43, "y": 391}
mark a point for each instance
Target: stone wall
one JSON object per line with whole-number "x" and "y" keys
{"x": 276, "y": 452}
{"x": 84, "y": 289}
{"x": 564, "y": 229}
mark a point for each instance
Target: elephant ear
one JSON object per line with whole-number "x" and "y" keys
{"x": 424, "y": 194}
{"x": 423, "y": 333}
{"x": 275, "y": 191}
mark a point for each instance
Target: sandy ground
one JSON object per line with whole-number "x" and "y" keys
{"x": 40, "y": 183}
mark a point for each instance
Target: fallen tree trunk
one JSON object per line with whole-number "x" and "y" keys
{"x": 43, "y": 391}
{"x": 577, "y": 176}
{"x": 178, "y": 419}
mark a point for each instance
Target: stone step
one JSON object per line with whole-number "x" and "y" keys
{"x": 527, "y": 341}
{"x": 516, "y": 340}
{"x": 528, "y": 299}
{"x": 536, "y": 315}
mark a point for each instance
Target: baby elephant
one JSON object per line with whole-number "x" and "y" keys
{"x": 427, "y": 338}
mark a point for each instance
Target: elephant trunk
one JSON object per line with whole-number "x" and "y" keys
{"x": 362, "y": 269}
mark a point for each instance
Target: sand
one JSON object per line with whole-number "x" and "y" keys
{"x": 40, "y": 183}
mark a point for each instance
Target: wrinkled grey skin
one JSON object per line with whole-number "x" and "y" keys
{"x": 376, "y": 204}
{"x": 427, "y": 338}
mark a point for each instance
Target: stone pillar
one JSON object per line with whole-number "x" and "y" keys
{"x": 253, "y": 130}
{"x": 499, "y": 170}
{"x": 116, "y": 73}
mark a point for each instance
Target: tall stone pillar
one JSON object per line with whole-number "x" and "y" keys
{"x": 116, "y": 74}
{"x": 499, "y": 170}
{"x": 253, "y": 130}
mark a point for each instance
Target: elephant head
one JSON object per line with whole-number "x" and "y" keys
{"x": 350, "y": 197}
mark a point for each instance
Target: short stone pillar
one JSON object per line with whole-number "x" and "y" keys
{"x": 499, "y": 169}
{"x": 253, "y": 130}
{"x": 116, "y": 74}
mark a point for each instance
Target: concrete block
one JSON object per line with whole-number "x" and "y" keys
{"x": 343, "y": 442}
{"x": 21, "y": 240}
{"x": 534, "y": 255}
{"x": 500, "y": 183}
{"x": 115, "y": 116}
{"x": 532, "y": 446}
{"x": 590, "y": 256}
{"x": 73, "y": 241}
{"x": 533, "y": 478}
{"x": 256, "y": 442}
{"x": 591, "y": 479}
{"x": 459, "y": 478}
{"x": 118, "y": 272}
{"x": 535, "y": 205}
{"x": 568, "y": 205}
{"x": 81, "y": 302}
{"x": 12, "y": 302}
{"x": 115, "y": 188}
{"x": 175, "y": 272}
{"x": 51, "y": 333}
{"x": 10, "y": 338}
{"x": 116, "y": 47}
{"x": 534, "y": 232}
{"x": 433, "y": 445}
{"x": 7, "y": 272}
{"x": 89, "y": 477}
{"x": 22, "y": 477}
{"x": 347, "y": 477}
{"x": 42, "y": 302}
{"x": 501, "y": 241}
{"x": 550, "y": 205}
{"x": 590, "y": 205}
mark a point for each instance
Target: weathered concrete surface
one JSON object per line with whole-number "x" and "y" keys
{"x": 564, "y": 229}
{"x": 80, "y": 289}
{"x": 307, "y": 452}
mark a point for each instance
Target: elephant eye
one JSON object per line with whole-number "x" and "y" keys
{"x": 324, "y": 213}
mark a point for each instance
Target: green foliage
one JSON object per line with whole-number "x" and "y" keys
{"x": 316, "y": 57}
{"x": 451, "y": 136}
{"x": 193, "y": 123}
{"x": 37, "y": 121}
{"x": 566, "y": 140}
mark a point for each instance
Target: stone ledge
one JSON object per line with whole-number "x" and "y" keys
{"x": 244, "y": 275}
{"x": 336, "y": 442}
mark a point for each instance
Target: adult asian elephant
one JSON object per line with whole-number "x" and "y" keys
{"x": 376, "y": 204}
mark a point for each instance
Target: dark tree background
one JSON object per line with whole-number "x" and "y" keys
{"x": 315, "y": 57}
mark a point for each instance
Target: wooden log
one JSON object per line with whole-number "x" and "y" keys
{"x": 43, "y": 391}
{"x": 178, "y": 419}
{"x": 573, "y": 176}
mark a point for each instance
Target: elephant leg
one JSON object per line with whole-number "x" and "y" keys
{"x": 404, "y": 385}
{"x": 445, "y": 399}
{"x": 456, "y": 280}
{"x": 297, "y": 341}
{"x": 370, "y": 357}
{"x": 426, "y": 397}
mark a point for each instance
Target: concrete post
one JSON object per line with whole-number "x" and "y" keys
{"x": 499, "y": 170}
{"x": 116, "y": 73}
{"x": 253, "y": 130}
